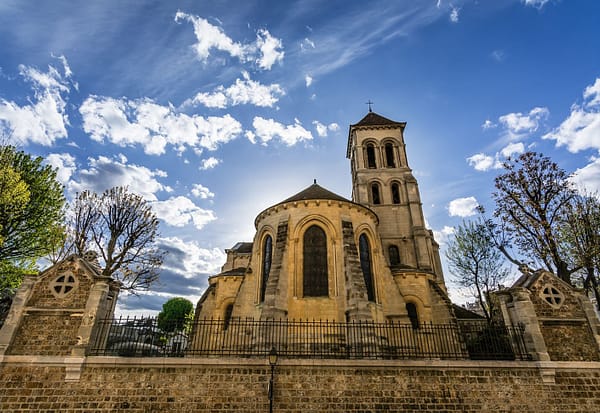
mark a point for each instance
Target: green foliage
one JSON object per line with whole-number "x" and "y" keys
{"x": 176, "y": 315}
{"x": 31, "y": 202}
{"x": 531, "y": 201}
{"x": 476, "y": 263}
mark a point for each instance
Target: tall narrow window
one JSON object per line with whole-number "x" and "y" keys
{"x": 394, "y": 255}
{"x": 227, "y": 316}
{"x": 375, "y": 196}
{"x": 371, "y": 156}
{"x": 315, "y": 283}
{"x": 395, "y": 193}
{"x": 413, "y": 316}
{"x": 389, "y": 155}
{"x": 267, "y": 253}
{"x": 365, "y": 264}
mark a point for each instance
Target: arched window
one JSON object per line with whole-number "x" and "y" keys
{"x": 389, "y": 155}
{"x": 371, "y": 156}
{"x": 395, "y": 193}
{"x": 394, "y": 255}
{"x": 315, "y": 283}
{"x": 227, "y": 316}
{"x": 413, "y": 316}
{"x": 267, "y": 254}
{"x": 375, "y": 196}
{"x": 365, "y": 264}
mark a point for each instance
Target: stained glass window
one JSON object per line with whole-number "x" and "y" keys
{"x": 365, "y": 264}
{"x": 315, "y": 282}
{"x": 267, "y": 254}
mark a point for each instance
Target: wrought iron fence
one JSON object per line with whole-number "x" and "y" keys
{"x": 307, "y": 339}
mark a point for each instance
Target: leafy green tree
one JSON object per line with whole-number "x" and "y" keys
{"x": 476, "y": 263}
{"x": 176, "y": 315}
{"x": 532, "y": 199}
{"x": 31, "y": 206}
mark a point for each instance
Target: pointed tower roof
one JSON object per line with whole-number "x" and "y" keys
{"x": 372, "y": 120}
{"x": 315, "y": 191}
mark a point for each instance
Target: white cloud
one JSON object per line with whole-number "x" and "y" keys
{"x": 64, "y": 164}
{"x": 513, "y": 148}
{"x": 581, "y": 129}
{"x": 270, "y": 49}
{"x": 189, "y": 259}
{"x": 593, "y": 92}
{"x": 498, "y": 55}
{"x": 538, "y": 4}
{"x": 44, "y": 119}
{"x": 142, "y": 122}
{"x": 307, "y": 44}
{"x": 454, "y": 14}
{"x": 322, "y": 129}
{"x": 267, "y": 129}
{"x": 241, "y": 92}
{"x": 308, "y": 80}
{"x": 209, "y": 163}
{"x": 211, "y": 37}
{"x": 463, "y": 207}
{"x": 488, "y": 124}
{"x": 587, "y": 179}
{"x": 518, "y": 124}
{"x": 483, "y": 162}
{"x": 443, "y": 235}
{"x": 265, "y": 51}
{"x": 104, "y": 173}
{"x": 202, "y": 192}
{"x": 180, "y": 211}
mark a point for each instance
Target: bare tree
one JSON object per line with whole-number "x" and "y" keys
{"x": 122, "y": 228}
{"x": 581, "y": 235}
{"x": 532, "y": 198}
{"x": 476, "y": 263}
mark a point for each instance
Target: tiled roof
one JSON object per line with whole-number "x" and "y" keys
{"x": 235, "y": 271}
{"x": 315, "y": 191}
{"x": 242, "y": 248}
{"x": 464, "y": 314}
{"x": 373, "y": 119}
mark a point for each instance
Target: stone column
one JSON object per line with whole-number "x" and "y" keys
{"x": 522, "y": 312}
{"x": 15, "y": 314}
{"x": 96, "y": 309}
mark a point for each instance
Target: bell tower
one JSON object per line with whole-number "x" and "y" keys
{"x": 383, "y": 181}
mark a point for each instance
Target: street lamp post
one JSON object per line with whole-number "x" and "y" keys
{"x": 272, "y": 363}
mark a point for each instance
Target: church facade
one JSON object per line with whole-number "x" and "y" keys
{"x": 319, "y": 256}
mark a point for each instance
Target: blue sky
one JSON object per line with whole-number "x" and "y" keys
{"x": 215, "y": 110}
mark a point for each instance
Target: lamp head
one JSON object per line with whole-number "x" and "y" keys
{"x": 273, "y": 356}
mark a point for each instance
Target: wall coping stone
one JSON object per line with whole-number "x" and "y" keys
{"x": 154, "y": 362}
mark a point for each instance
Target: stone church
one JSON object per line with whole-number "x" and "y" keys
{"x": 392, "y": 340}
{"x": 320, "y": 256}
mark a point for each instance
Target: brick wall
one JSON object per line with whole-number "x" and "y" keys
{"x": 227, "y": 385}
{"x": 46, "y": 334}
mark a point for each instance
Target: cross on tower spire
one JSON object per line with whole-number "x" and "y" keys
{"x": 369, "y": 103}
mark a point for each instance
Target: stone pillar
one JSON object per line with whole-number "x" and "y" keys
{"x": 100, "y": 305}
{"x": 520, "y": 311}
{"x": 356, "y": 290}
{"x": 275, "y": 303}
{"x": 15, "y": 314}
